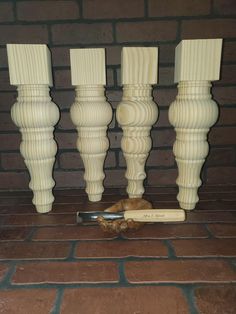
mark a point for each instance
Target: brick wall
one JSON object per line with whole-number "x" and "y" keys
{"x": 113, "y": 24}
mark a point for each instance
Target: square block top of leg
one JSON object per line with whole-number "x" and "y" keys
{"x": 139, "y": 65}
{"x": 198, "y": 60}
{"x": 88, "y": 66}
{"x": 29, "y": 64}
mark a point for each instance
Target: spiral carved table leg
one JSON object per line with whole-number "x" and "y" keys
{"x": 192, "y": 114}
{"x": 137, "y": 113}
{"x": 35, "y": 114}
{"x": 197, "y": 63}
{"x": 91, "y": 114}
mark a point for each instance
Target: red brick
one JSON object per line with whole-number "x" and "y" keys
{"x": 166, "y": 53}
{"x": 66, "y": 140}
{"x": 62, "y": 79}
{"x": 12, "y": 161}
{"x": 229, "y": 51}
{"x": 146, "y": 31}
{"x": 35, "y": 301}
{"x": 115, "y": 139}
{"x": 163, "y": 137}
{"x": 65, "y": 122}
{"x": 114, "y": 95}
{"x": 221, "y": 175}
{"x": 14, "y": 180}
{"x": 166, "y": 76}
{"x": 113, "y": 55}
{"x": 227, "y": 116}
{"x": 64, "y": 272}
{"x": 18, "y": 34}
{"x": 206, "y": 247}
{"x": 162, "y": 177}
{"x": 112, "y": 9}
{"x": 3, "y": 56}
{"x": 180, "y": 271}
{"x": 224, "y": 95}
{"x": 14, "y": 234}
{"x": 216, "y": 299}
{"x": 211, "y": 216}
{"x": 163, "y": 120}
{"x": 6, "y": 123}
{"x": 148, "y": 299}
{"x": 96, "y": 33}
{"x": 217, "y": 206}
{"x": 71, "y": 161}
{"x": 215, "y": 28}
{"x": 64, "y": 99}
{"x": 40, "y": 220}
{"x": 7, "y": 100}
{"x": 115, "y": 178}
{"x": 36, "y": 250}
{"x": 5, "y": 80}
{"x": 178, "y": 8}
{"x": 164, "y": 231}
{"x": 110, "y": 77}
{"x": 223, "y": 230}
{"x": 3, "y": 270}
{"x": 160, "y": 158}
{"x": 60, "y": 56}
{"x": 164, "y": 97}
{"x": 221, "y": 157}
{"x": 69, "y": 179}
{"x": 222, "y": 136}
{"x": 47, "y": 10}
{"x": 227, "y": 75}
{"x": 63, "y": 233}
{"x": 118, "y": 249}
{"x": 225, "y": 7}
{"x": 6, "y": 12}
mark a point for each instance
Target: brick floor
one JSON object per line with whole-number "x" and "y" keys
{"x": 49, "y": 264}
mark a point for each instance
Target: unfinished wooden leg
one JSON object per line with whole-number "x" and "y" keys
{"x": 137, "y": 113}
{"x": 91, "y": 114}
{"x": 193, "y": 112}
{"x": 35, "y": 114}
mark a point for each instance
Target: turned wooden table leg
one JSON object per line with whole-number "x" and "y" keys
{"x": 197, "y": 63}
{"x": 137, "y": 113}
{"x": 35, "y": 114}
{"x": 91, "y": 114}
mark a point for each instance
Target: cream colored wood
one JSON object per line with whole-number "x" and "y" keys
{"x": 35, "y": 114}
{"x": 155, "y": 215}
{"x": 193, "y": 113}
{"x": 198, "y": 60}
{"x": 137, "y": 112}
{"x": 91, "y": 114}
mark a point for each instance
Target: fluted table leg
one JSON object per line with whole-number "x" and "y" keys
{"x": 137, "y": 113}
{"x": 193, "y": 112}
{"x": 35, "y": 114}
{"x": 91, "y": 114}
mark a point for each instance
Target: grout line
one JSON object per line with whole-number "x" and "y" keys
{"x": 6, "y": 281}
{"x": 171, "y": 251}
{"x": 189, "y": 294}
{"x": 58, "y": 301}
{"x": 71, "y": 255}
{"x": 121, "y": 270}
{"x": 210, "y": 234}
{"x": 31, "y": 234}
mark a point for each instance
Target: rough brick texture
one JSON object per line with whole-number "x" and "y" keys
{"x": 51, "y": 264}
{"x": 66, "y": 24}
